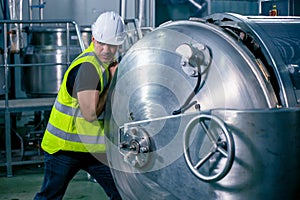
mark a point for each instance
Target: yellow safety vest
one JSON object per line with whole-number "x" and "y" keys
{"x": 67, "y": 129}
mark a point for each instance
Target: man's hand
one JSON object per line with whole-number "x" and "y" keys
{"x": 112, "y": 70}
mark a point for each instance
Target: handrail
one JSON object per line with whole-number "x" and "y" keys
{"x": 5, "y": 31}
{"x": 58, "y": 21}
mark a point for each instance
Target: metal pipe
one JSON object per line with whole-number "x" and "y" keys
{"x": 41, "y": 9}
{"x": 142, "y": 13}
{"x": 5, "y": 57}
{"x": 208, "y": 7}
{"x": 21, "y": 10}
{"x": 145, "y": 13}
{"x": 200, "y": 7}
{"x": 123, "y": 5}
{"x": 136, "y": 8}
{"x": 20, "y": 38}
{"x": 37, "y": 64}
{"x": 40, "y": 6}
{"x": 152, "y": 13}
{"x": 7, "y": 113}
{"x": 30, "y": 9}
{"x": 68, "y": 43}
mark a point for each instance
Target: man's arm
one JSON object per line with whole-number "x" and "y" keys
{"x": 90, "y": 103}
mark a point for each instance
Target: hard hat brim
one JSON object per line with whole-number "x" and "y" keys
{"x": 119, "y": 40}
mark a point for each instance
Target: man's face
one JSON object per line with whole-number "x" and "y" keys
{"x": 105, "y": 52}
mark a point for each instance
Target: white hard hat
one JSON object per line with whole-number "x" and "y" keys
{"x": 109, "y": 28}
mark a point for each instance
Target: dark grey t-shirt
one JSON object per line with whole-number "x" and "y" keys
{"x": 83, "y": 77}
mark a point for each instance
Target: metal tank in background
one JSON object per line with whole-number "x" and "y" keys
{"x": 208, "y": 109}
{"x": 86, "y": 35}
{"x": 52, "y": 49}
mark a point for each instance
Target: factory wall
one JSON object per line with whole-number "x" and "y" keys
{"x": 84, "y": 12}
{"x": 182, "y": 9}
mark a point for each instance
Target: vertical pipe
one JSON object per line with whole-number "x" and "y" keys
{"x": 68, "y": 43}
{"x": 123, "y": 5}
{"x": 41, "y": 9}
{"x": 21, "y": 25}
{"x": 208, "y": 7}
{"x": 136, "y": 9}
{"x": 7, "y": 113}
{"x": 259, "y": 7}
{"x": 30, "y": 9}
{"x": 142, "y": 13}
{"x": 5, "y": 57}
{"x": 152, "y": 13}
{"x": 21, "y": 11}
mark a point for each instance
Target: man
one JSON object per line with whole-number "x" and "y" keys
{"x": 74, "y": 137}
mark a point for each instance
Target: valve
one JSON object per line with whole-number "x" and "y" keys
{"x": 196, "y": 60}
{"x": 222, "y": 149}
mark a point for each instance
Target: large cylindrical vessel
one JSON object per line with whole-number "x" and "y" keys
{"x": 208, "y": 109}
{"x": 50, "y": 50}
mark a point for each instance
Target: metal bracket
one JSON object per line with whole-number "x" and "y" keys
{"x": 134, "y": 145}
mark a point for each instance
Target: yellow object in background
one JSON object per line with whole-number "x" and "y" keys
{"x": 274, "y": 11}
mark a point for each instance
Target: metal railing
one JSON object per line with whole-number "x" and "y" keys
{"x": 13, "y": 105}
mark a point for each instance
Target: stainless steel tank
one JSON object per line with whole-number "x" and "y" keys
{"x": 50, "y": 50}
{"x": 86, "y": 35}
{"x": 208, "y": 109}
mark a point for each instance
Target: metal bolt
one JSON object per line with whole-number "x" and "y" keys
{"x": 134, "y": 131}
{"x": 197, "y": 106}
{"x": 134, "y": 162}
{"x": 144, "y": 149}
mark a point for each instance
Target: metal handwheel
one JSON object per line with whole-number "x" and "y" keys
{"x": 221, "y": 144}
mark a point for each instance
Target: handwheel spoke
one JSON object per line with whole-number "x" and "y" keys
{"x": 209, "y": 134}
{"x": 203, "y": 160}
{"x": 222, "y": 151}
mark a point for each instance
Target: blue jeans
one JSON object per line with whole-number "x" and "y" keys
{"x": 62, "y": 166}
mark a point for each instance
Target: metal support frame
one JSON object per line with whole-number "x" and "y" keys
{"x": 8, "y": 105}
{"x": 144, "y": 12}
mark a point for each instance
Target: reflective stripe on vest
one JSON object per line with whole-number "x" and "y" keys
{"x": 71, "y": 136}
{"x": 72, "y": 111}
{"x": 68, "y": 110}
{"x": 75, "y": 137}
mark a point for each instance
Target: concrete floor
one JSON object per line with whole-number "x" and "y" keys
{"x": 27, "y": 180}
